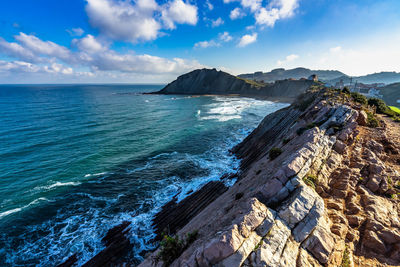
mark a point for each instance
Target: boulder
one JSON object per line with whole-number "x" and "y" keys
{"x": 362, "y": 118}
{"x": 372, "y": 242}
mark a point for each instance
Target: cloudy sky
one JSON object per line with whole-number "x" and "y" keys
{"x": 153, "y": 41}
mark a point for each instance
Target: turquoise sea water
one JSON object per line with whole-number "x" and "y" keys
{"x": 77, "y": 160}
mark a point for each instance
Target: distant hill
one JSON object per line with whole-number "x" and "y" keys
{"x": 213, "y": 82}
{"x": 391, "y": 94}
{"x": 381, "y": 77}
{"x": 297, "y": 73}
{"x": 328, "y": 76}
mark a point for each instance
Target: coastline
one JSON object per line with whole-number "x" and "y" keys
{"x": 281, "y": 212}
{"x": 276, "y": 99}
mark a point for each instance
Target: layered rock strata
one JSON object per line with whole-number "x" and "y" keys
{"x": 329, "y": 199}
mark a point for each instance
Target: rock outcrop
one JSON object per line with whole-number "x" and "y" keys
{"x": 213, "y": 82}
{"x": 329, "y": 199}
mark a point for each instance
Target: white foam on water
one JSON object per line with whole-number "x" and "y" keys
{"x": 81, "y": 231}
{"x": 229, "y": 108}
{"x": 95, "y": 174}
{"x": 55, "y": 185}
{"x": 12, "y": 211}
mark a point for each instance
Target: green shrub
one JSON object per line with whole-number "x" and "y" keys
{"x": 172, "y": 247}
{"x": 274, "y": 153}
{"x": 359, "y": 98}
{"x": 310, "y": 180}
{"x": 379, "y": 104}
{"x": 305, "y": 100}
{"x": 345, "y": 258}
{"x": 372, "y": 121}
{"x": 285, "y": 141}
{"x": 346, "y": 90}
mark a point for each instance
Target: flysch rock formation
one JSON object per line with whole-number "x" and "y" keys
{"x": 213, "y": 82}
{"x": 329, "y": 199}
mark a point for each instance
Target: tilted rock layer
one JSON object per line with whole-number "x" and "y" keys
{"x": 329, "y": 199}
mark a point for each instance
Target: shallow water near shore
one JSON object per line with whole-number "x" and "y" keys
{"x": 77, "y": 160}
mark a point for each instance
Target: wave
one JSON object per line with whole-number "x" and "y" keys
{"x": 95, "y": 174}
{"x": 80, "y": 226}
{"x": 12, "y": 211}
{"x": 55, "y": 185}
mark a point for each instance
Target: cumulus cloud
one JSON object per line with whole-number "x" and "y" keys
{"x": 206, "y": 44}
{"x": 236, "y": 13}
{"x": 76, "y": 32}
{"x": 266, "y": 15}
{"x": 209, "y": 5}
{"x": 16, "y": 50}
{"x": 247, "y": 39}
{"x": 46, "y": 48}
{"x": 178, "y": 12}
{"x": 33, "y": 55}
{"x": 288, "y": 58}
{"x": 217, "y": 22}
{"x": 123, "y": 20}
{"x": 88, "y": 44}
{"x": 225, "y": 37}
{"x": 140, "y": 20}
{"x": 277, "y": 9}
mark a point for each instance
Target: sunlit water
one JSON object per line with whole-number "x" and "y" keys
{"x": 77, "y": 160}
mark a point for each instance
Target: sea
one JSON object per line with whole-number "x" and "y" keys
{"x": 76, "y": 160}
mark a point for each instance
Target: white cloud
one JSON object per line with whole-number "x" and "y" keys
{"x": 206, "y": 44}
{"x": 335, "y": 49}
{"x": 33, "y": 55}
{"x": 17, "y": 51}
{"x": 141, "y": 20}
{"x": 88, "y": 44}
{"x": 179, "y": 12}
{"x": 76, "y": 32}
{"x": 122, "y": 20}
{"x": 209, "y": 5}
{"x": 266, "y": 15}
{"x": 288, "y": 59}
{"x": 277, "y": 9}
{"x": 40, "y": 47}
{"x": 247, "y": 39}
{"x": 225, "y": 37}
{"x": 236, "y": 13}
{"x": 217, "y": 22}
{"x": 254, "y": 5}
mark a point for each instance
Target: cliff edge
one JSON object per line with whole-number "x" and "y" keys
{"x": 213, "y": 82}
{"x": 318, "y": 186}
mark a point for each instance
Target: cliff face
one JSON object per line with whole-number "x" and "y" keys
{"x": 213, "y": 82}
{"x": 328, "y": 199}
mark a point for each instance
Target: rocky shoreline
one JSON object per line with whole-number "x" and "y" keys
{"x": 328, "y": 199}
{"x": 327, "y": 196}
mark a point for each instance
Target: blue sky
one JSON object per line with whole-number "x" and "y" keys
{"x": 96, "y": 41}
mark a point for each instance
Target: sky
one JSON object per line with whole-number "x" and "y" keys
{"x": 154, "y": 41}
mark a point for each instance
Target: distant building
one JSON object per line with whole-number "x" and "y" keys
{"x": 369, "y": 90}
{"x": 313, "y": 77}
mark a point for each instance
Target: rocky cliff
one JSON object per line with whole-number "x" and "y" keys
{"x": 213, "y": 82}
{"x": 317, "y": 187}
